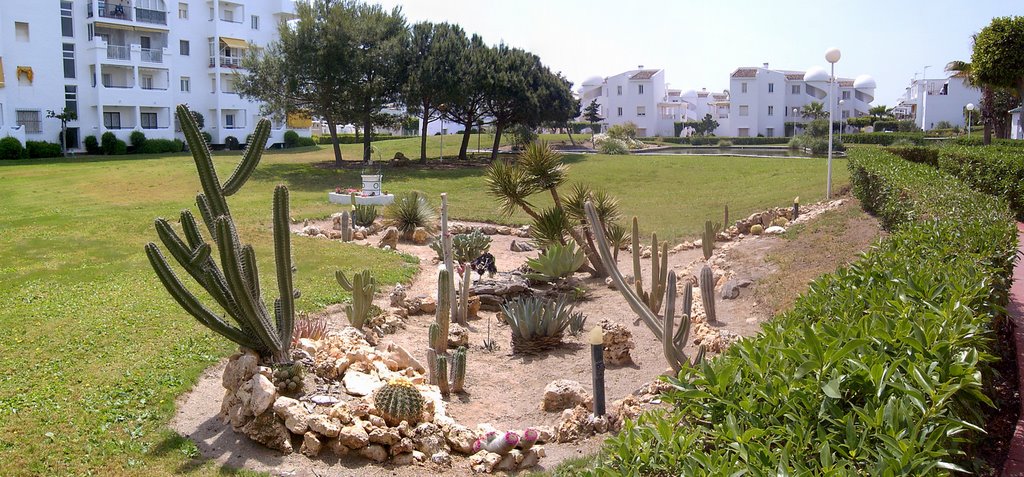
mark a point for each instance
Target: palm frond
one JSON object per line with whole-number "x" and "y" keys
{"x": 550, "y": 228}
{"x": 510, "y": 185}
{"x": 543, "y": 166}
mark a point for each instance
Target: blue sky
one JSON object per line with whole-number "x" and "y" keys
{"x": 699, "y": 43}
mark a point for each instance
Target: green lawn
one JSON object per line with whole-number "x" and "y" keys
{"x": 95, "y": 352}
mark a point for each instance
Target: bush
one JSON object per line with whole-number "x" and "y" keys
{"x": 38, "y": 149}
{"x": 352, "y": 139}
{"x": 120, "y": 147}
{"x": 363, "y": 215}
{"x": 883, "y": 125}
{"x": 92, "y": 146}
{"x": 522, "y": 135}
{"x": 137, "y": 139}
{"x": 943, "y": 125}
{"x": 622, "y": 131}
{"x": 724, "y": 143}
{"x": 610, "y": 145}
{"x": 994, "y": 170}
{"x": 161, "y": 146}
{"x": 109, "y": 142}
{"x": 304, "y": 142}
{"x": 465, "y": 247}
{"x": 883, "y": 139}
{"x": 410, "y": 210}
{"x": 919, "y": 154}
{"x": 10, "y": 148}
{"x": 816, "y": 145}
{"x": 877, "y": 370}
{"x": 206, "y": 137}
{"x": 231, "y": 142}
{"x": 291, "y": 138}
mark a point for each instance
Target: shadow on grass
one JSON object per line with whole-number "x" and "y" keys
{"x": 304, "y": 177}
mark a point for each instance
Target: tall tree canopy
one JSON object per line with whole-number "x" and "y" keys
{"x": 436, "y": 53}
{"x": 511, "y": 90}
{"x": 997, "y": 64}
{"x": 466, "y": 105}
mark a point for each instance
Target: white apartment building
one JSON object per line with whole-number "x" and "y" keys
{"x": 945, "y": 100}
{"x": 123, "y": 65}
{"x": 762, "y": 99}
{"x": 639, "y": 96}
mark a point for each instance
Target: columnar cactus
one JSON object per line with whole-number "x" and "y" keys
{"x": 448, "y": 260}
{"x": 458, "y": 377}
{"x": 442, "y": 375}
{"x": 398, "y": 401}
{"x": 346, "y": 227}
{"x": 438, "y": 330}
{"x": 707, "y": 240}
{"x": 676, "y": 358}
{"x": 707, "y": 292}
{"x": 659, "y": 269}
{"x": 362, "y": 287}
{"x": 463, "y": 309}
{"x": 235, "y": 287}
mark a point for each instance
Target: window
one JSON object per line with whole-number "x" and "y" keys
{"x": 771, "y": 110}
{"x": 69, "y": 60}
{"x": 771, "y": 87}
{"x": 213, "y": 85}
{"x": 743, "y": 132}
{"x": 186, "y": 84}
{"x": 770, "y": 132}
{"x": 29, "y": 119}
{"x": 148, "y": 120}
{"x": 641, "y": 111}
{"x": 743, "y": 87}
{"x": 795, "y": 89}
{"x": 67, "y": 27}
{"x": 254, "y": 20}
{"x": 71, "y": 98}
{"x": 228, "y": 16}
{"x": 620, "y": 111}
{"x": 183, "y": 47}
{"x": 21, "y": 31}
{"x": 112, "y": 120}
{"x": 89, "y": 31}
{"x": 146, "y": 81}
{"x": 183, "y": 11}
{"x": 846, "y": 114}
{"x": 229, "y": 120}
{"x": 639, "y": 89}
{"x": 211, "y": 13}
{"x": 618, "y": 89}
{"x": 744, "y": 110}
{"x": 846, "y": 95}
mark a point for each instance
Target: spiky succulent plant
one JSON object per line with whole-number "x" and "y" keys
{"x": 537, "y": 323}
{"x": 557, "y": 261}
{"x": 362, "y": 287}
{"x": 398, "y": 401}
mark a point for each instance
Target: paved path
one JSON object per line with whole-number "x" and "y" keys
{"x": 1014, "y": 465}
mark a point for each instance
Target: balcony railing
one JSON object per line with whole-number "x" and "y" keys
{"x": 230, "y": 20}
{"x": 112, "y": 84}
{"x": 153, "y": 55}
{"x": 118, "y": 52}
{"x": 105, "y": 10}
{"x": 227, "y": 61}
{"x": 153, "y": 88}
{"x": 151, "y": 16}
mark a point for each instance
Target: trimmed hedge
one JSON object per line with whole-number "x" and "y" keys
{"x": 998, "y": 171}
{"x": 878, "y": 368}
{"x": 40, "y": 149}
{"x": 920, "y": 154}
{"x": 883, "y": 139}
{"x": 713, "y": 140}
{"x": 161, "y": 146}
{"x": 352, "y": 139}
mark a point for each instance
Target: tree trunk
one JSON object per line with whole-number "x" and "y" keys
{"x": 332, "y": 127}
{"x": 367, "y": 137}
{"x": 568, "y": 130}
{"x": 423, "y": 136}
{"x": 498, "y": 127}
{"x": 466, "y": 133}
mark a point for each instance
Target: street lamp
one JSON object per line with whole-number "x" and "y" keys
{"x": 442, "y": 108}
{"x": 970, "y": 109}
{"x": 841, "y": 125}
{"x": 924, "y": 100}
{"x": 832, "y": 56}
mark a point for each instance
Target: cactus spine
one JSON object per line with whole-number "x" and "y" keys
{"x": 346, "y": 227}
{"x": 659, "y": 269}
{"x": 677, "y": 357}
{"x": 398, "y": 401}
{"x": 234, "y": 284}
{"x": 362, "y": 287}
{"x": 459, "y": 370}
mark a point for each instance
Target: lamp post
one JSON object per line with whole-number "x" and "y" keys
{"x": 924, "y": 100}
{"x": 841, "y": 125}
{"x": 832, "y": 56}
{"x": 795, "y": 110}
{"x": 597, "y": 359}
{"x": 970, "y": 109}
{"x": 442, "y": 108}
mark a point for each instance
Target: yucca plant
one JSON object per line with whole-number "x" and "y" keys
{"x": 234, "y": 285}
{"x": 556, "y": 262}
{"x": 363, "y": 215}
{"x": 538, "y": 323}
{"x": 410, "y": 210}
{"x": 618, "y": 237}
{"x": 550, "y": 228}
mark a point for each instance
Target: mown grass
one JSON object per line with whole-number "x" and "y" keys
{"x": 95, "y": 352}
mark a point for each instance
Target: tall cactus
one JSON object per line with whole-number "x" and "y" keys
{"x": 707, "y": 240}
{"x": 707, "y": 292}
{"x": 346, "y": 227}
{"x": 672, "y": 342}
{"x": 459, "y": 370}
{"x": 438, "y": 330}
{"x": 234, "y": 285}
{"x": 362, "y": 287}
{"x": 449, "y": 263}
{"x": 659, "y": 269}
{"x": 463, "y": 308}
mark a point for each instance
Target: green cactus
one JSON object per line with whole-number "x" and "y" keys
{"x": 467, "y": 278}
{"x": 398, "y": 401}
{"x": 756, "y": 229}
{"x": 362, "y": 287}
{"x": 234, "y": 287}
{"x": 459, "y": 370}
{"x": 707, "y": 240}
{"x": 346, "y": 227}
{"x": 288, "y": 378}
{"x": 725, "y": 223}
{"x": 437, "y": 332}
{"x": 659, "y": 269}
{"x": 673, "y": 343}
{"x": 442, "y": 374}
{"x": 707, "y": 292}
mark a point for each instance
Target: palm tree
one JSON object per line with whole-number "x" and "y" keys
{"x": 813, "y": 110}
{"x": 963, "y": 68}
{"x": 880, "y": 112}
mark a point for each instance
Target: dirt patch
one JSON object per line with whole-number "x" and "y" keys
{"x": 506, "y": 390}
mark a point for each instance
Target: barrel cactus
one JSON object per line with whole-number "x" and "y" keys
{"x": 756, "y": 229}
{"x": 398, "y": 401}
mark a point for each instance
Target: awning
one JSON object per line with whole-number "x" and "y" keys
{"x": 27, "y": 71}
{"x": 234, "y": 42}
{"x": 1, "y": 72}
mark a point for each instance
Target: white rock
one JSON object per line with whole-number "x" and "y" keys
{"x": 563, "y": 394}
{"x": 263, "y": 394}
{"x": 324, "y": 425}
{"x": 775, "y": 229}
{"x": 374, "y": 452}
{"x": 361, "y": 384}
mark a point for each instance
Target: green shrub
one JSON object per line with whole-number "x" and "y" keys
{"x": 206, "y": 136}
{"x": 522, "y": 135}
{"x": 995, "y": 170}
{"x": 120, "y": 147}
{"x": 612, "y": 146}
{"x": 912, "y": 153}
{"x": 363, "y": 215}
{"x": 352, "y": 139}
{"x": 816, "y": 145}
{"x": 161, "y": 146}
{"x": 92, "y": 146}
{"x": 231, "y": 142}
{"x": 884, "y": 125}
{"x": 109, "y": 142}
{"x": 137, "y": 139}
{"x": 410, "y": 210}
{"x": 623, "y": 131}
{"x": 10, "y": 148}
{"x": 724, "y": 143}
{"x": 303, "y": 142}
{"x": 883, "y": 139}
{"x": 465, "y": 247}
{"x": 291, "y": 138}
{"x": 877, "y": 370}
{"x": 38, "y": 149}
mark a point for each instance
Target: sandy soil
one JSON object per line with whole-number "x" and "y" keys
{"x": 502, "y": 389}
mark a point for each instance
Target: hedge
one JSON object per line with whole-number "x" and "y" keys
{"x": 883, "y": 138}
{"x": 998, "y": 171}
{"x": 40, "y": 149}
{"x": 11, "y": 148}
{"x": 713, "y": 140}
{"x": 878, "y": 368}
{"x": 352, "y": 139}
{"x": 161, "y": 146}
{"x": 920, "y": 154}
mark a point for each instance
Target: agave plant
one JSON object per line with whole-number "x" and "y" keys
{"x": 363, "y": 215}
{"x": 410, "y": 210}
{"x": 465, "y": 247}
{"x": 557, "y": 261}
{"x": 537, "y": 323}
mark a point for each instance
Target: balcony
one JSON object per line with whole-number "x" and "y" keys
{"x": 227, "y": 62}
{"x": 146, "y": 15}
{"x": 116, "y": 11}
{"x": 119, "y": 52}
{"x": 152, "y": 55}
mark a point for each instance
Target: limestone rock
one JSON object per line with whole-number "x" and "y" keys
{"x": 428, "y": 305}
{"x": 731, "y": 288}
{"x": 263, "y": 394}
{"x": 618, "y": 340}
{"x": 488, "y": 230}
{"x": 293, "y": 413}
{"x": 240, "y": 368}
{"x": 429, "y": 439}
{"x": 397, "y": 358}
{"x": 388, "y": 436}
{"x": 397, "y": 296}
{"x": 510, "y": 461}
{"x": 774, "y": 230}
{"x": 523, "y": 246}
{"x": 335, "y": 447}
{"x": 311, "y": 230}
{"x": 324, "y": 425}
{"x": 358, "y": 235}
{"x": 374, "y": 452}
{"x": 389, "y": 238}
{"x": 504, "y": 231}
{"x": 473, "y": 307}
{"x": 420, "y": 236}
{"x": 442, "y": 458}
{"x": 460, "y": 438}
{"x": 403, "y": 446}
{"x": 406, "y": 458}
{"x": 353, "y": 436}
{"x": 458, "y": 335}
{"x": 334, "y": 235}
{"x": 268, "y": 430}
{"x": 360, "y": 384}
{"x": 484, "y": 462}
{"x": 311, "y": 445}
{"x": 563, "y": 394}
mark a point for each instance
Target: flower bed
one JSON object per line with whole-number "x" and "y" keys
{"x": 878, "y": 368}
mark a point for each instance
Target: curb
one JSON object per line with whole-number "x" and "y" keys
{"x": 1014, "y": 465}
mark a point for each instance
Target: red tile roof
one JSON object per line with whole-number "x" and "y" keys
{"x": 644, "y": 74}
{"x": 745, "y": 73}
